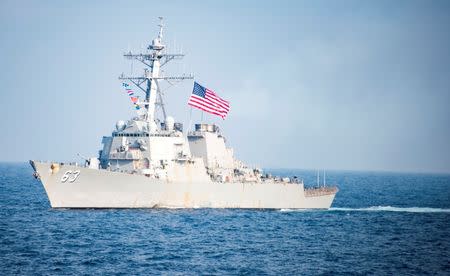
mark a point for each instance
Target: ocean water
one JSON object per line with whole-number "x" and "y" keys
{"x": 380, "y": 224}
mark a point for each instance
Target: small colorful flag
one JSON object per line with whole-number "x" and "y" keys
{"x": 130, "y": 93}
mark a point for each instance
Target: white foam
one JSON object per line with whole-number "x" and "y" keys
{"x": 169, "y": 207}
{"x": 393, "y": 209}
{"x": 292, "y": 210}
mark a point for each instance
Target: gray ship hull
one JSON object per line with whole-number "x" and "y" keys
{"x": 107, "y": 189}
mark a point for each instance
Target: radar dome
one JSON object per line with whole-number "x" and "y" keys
{"x": 170, "y": 121}
{"x": 120, "y": 125}
{"x": 156, "y": 44}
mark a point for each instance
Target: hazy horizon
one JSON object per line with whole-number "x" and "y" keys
{"x": 348, "y": 85}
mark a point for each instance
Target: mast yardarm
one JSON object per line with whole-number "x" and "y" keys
{"x": 150, "y": 81}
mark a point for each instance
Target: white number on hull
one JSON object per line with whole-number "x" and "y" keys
{"x": 70, "y": 176}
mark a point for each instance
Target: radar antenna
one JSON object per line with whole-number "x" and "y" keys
{"x": 160, "y": 25}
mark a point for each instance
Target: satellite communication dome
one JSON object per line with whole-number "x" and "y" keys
{"x": 170, "y": 121}
{"x": 120, "y": 125}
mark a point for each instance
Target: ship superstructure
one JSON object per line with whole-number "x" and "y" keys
{"x": 150, "y": 162}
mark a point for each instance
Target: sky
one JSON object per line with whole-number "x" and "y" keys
{"x": 337, "y": 85}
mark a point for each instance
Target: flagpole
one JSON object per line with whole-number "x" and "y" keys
{"x": 190, "y": 120}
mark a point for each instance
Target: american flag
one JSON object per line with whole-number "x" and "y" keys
{"x": 206, "y": 100}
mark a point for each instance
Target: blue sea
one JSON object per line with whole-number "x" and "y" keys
{"x": 379, "y": 224}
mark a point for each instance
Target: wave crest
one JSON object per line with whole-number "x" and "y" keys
{"x": 393, "y": 209}
{"x": 378, "y": 209}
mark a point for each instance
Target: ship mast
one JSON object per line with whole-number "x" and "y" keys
{"x": 149, "y": 82}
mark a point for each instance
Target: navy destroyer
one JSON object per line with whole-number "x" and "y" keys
{"x": 150, "y": 162}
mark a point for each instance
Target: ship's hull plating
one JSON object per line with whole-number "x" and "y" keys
{"x": 106, "y": 189}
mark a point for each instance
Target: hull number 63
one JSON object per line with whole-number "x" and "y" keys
{"x": 70, "y": 176}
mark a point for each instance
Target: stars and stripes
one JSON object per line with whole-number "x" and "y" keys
{"x": 206, "y": 100}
